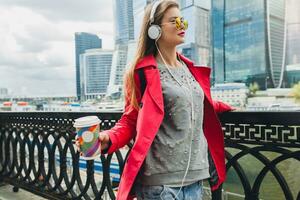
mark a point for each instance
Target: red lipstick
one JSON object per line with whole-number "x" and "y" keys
{"x": 181, "y": 33}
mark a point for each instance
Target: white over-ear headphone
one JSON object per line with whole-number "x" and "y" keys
{"x": 154, "y": 31}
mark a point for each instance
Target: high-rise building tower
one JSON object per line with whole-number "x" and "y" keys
{"x": 293, "y": 43}
{"x": 83, "y": 41}
{"x": 95, "y": 69}
{"x": 197, "y": 38}
{"x": 124, "y": 32}
{"x": 249, "y": 40}
{"x": 124, "y": 25}
{"x": 293, "y": 32}
{"x": 138, "y": 15}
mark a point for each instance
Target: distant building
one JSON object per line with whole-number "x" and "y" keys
{"x": 132, "y": 46}
{"x": 124, "y": 25}
{"x": 95, "y": 70}
{"x": 292, "y": 74}
{"x": 84, "y": 41}
{"x": 248, "y": 41}
{"x": 138, "y": 15}
{"x": 3, "y": 92}
{"x": 234, "y": 94}
{"x": 197, "y": 38}
{"x": 273, "y": 99}
{"x": 118, "y": 69}
{"x": 293, "y": 43}
{"x": 124, "y": 32}
{"x": 205, "y": 4}
{"x": 293, "y": 32}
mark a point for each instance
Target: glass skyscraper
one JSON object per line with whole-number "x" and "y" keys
{"x": 205, "y": 4}
{"x": 83, "y": 41}
{"x": 95, "y": 69}
{"x": 197, "y": 38}
{"x": 124, "y": 26}
{"x": 293, "y": 43}
{"x": 276, "y": 34}
{"x": 138, "y": 15}
{"x": 248, "y": 40}
{"x": 293, "y": 32}
{"x": 124, "y": 32}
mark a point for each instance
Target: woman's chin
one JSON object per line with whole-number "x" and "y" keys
{"x": 182, "y": 40}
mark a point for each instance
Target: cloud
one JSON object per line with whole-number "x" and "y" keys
{"x": 37, "y": 51}
{"x": 72, "y": 10}
{"x": 31, "y": 44}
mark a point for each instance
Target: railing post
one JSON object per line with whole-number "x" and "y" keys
{"x": 15, "y": 189}
{"x": 252, "y": 196}
{"x": 2, "y": 183}
{"x": 217, "y": 194}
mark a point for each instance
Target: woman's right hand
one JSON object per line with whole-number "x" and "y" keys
{"x": 104, "y": 139}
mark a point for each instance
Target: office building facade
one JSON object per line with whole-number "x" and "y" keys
{"x": 138, "y": 16}
{"x": 124, "y": 32}
{"x": 95, "y": 70}
{"x": 83, "y": 41}
{"x": 197, "y": 37}
{"x": 293, "y": 32}
{"x": 248, "y": 40}
{"x": 293, "y": 43}
{"x": 124, "y": 25}
{"x": 118, "y": 69}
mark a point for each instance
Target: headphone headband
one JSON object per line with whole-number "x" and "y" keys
{"x": 153, "y": 10}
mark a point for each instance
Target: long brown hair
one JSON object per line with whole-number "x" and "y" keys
{"x": 146, "y": 46}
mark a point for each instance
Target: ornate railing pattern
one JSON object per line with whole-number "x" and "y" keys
{"x": 254, "y": 133}
{"x": 37, "y": 153}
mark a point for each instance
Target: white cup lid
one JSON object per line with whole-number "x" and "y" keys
{"x": 86, "y": 121}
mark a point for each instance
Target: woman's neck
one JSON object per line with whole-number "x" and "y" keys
{"x": 169, "y": 56}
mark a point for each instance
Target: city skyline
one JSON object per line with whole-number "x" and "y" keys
{"x": 37, "y": 53}
{"x": 37, "y": 50}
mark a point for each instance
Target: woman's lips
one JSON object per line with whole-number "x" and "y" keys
{"x": 181, "y": 33}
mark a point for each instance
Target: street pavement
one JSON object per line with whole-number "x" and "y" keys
{"x": 6, "y": 193}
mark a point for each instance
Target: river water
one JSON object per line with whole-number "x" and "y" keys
{"x": 270, "y": 188}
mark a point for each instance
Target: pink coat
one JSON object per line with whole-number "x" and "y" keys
{"x": 144, "y": 124}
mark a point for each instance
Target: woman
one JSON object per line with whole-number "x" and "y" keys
{"x": 178, "y": 137}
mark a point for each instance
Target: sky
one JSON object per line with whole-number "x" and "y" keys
{"x": 37, "y": 48}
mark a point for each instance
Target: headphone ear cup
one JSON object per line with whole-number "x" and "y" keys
{"x": 154, "y": 32}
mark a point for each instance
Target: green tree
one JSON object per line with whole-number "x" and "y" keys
{"x": 253, "y": 88}
{"x": 296, "y": 92}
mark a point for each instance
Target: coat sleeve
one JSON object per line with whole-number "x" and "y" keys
{"x": 221, "y": 107}
{"x": 125, "y": 129}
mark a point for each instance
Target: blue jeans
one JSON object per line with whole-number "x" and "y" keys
{"x": 162, "y": 192}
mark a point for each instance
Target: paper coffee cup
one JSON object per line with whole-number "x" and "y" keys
{"x": 87, "y": 133}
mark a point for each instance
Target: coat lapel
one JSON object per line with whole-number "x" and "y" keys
{"x": 155, "y": 89}
{"x": 153, "y": 80}
{"x": 201, "y": 74}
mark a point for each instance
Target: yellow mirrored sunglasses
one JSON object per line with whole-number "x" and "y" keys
{"x": 179, "y": 20}
{"x": 178, "y": 23}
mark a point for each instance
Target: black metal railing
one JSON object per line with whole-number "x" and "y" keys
{"x": 37, "y": 153}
